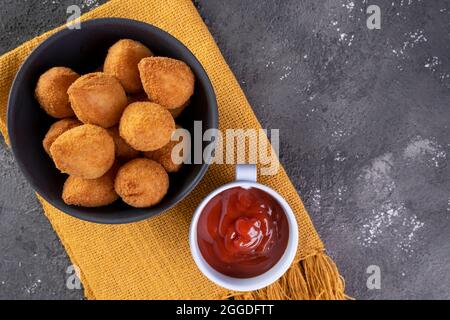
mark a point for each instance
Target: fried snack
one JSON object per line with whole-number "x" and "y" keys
{"x": 85, "y": 151}
{"x": 91, "y": 192}
{"x": 141, "y": 182}
{"x": 167, "y": 81}
{"x": 164, "y": 155}
{"x": 57, "y": 129}
{"x": 146, "y": 126}
{"x": 123, "y": 150}
{"x": 98, "y": 98}
{"x": 176, "y": 112}
{"x": 51, "y": 91}
{"x": 122, "y": 62}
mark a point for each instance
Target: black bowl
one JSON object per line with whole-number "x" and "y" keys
{"x": 84, "y": 51}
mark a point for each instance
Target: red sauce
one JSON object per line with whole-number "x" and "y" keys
{"x": 242, "y": 233}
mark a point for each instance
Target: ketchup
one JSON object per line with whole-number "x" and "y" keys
{"x": 242, "y": 232}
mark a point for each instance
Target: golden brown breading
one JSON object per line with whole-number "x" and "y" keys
{"x": 98, "y": 98}
{"x": 146, "y": 126}
{"x": 91, "y": 192}
{"x": 168, "y": 82}
{"x": 122, "y": 62}
{"x": 51, "y": 91}
{"x": 164, "y": 155}
{"x": 123, "y": 150}
{"x": 57, "y": 129}
{"x": 176, "y": 112}
{"x": 142, "y": 97}
{"x": 142, "y": 183}
{"x": 85, "y": 151}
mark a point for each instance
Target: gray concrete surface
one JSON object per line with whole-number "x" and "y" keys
{"x": 364, "y": 118}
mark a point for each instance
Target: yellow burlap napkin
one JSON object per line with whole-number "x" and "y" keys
{"x": 151, "y": 259}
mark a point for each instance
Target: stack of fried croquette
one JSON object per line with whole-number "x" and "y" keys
{"x": 113, "y": 138}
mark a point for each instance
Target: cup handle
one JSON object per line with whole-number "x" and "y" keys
{"x": 246, "y": 172}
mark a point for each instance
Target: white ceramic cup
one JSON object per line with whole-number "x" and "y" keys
{"x": 246, "y": 178}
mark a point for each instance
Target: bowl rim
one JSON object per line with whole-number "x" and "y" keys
{"x": 12, "y": 101}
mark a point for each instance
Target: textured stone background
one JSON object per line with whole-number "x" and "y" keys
{"x": 364, "y": 118}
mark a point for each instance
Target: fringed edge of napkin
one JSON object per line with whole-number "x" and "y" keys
{"x": 314, "y": 277}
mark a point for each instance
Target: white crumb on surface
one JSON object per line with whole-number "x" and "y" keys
{"x": 287, "y": 72}
{"x": 424, "y": 149}
{"x": 340, "y": 192}
{"x": 411, "y": 40}
{"x": 89, "y": 4}
{"x": 269, "y": 63}
{"x": 339, "y": 133}
{"x": 432, "y": 62}
{"x": 389, "y": 221}
{"x": 33, "y": 287}
{"x": 339, "y": 157}
{"x": 316, "y": 200}
{"x": 349, "y": 5}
